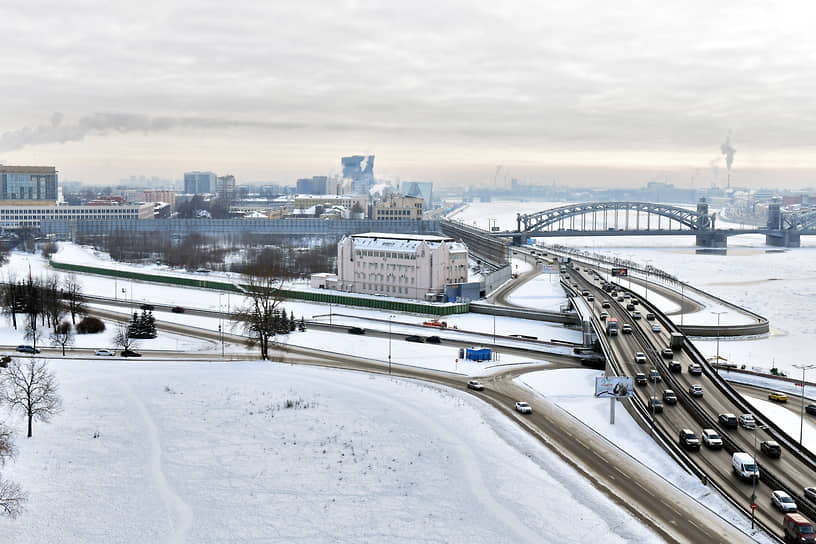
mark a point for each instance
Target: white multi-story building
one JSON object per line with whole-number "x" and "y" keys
{"x": 12, "y": 217}
{"x": 400, "y": 265}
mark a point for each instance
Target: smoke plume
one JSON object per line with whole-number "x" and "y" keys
{"x": 106, "y": 123}
{"x": 728, "y": 150}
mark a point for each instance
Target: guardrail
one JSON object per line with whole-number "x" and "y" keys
{"x": 708, "y": 421}
{"x": 700, "y": 416}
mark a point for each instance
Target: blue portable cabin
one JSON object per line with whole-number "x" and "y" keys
{"x": 478, "y": 354}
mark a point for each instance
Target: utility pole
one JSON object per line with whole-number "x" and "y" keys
{"x": 802, "y": 411}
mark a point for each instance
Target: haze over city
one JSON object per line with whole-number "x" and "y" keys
{"x": 584, "y": 94}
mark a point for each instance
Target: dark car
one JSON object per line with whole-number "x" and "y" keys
{"x": 627, "y": 329}
{"x": 630, "y": 306}
{"x": 650, "y": 316}
{"x": 640, "y": 378}
{"x": 669, "y": 397}
{"x": 415, "y": 338}
{"x": 689, "y": 440}
{"x": 654, "y": 375}
{"x": 433, "y": 340}
{"x": 728, "y": 420}
{"x": 656, "y": 404}
{"x": 177, "y": 310}
{"x": 356, "y": 330}
{"x": 27, "y": 349}
{"x": 770, "y": 448}
{"x": 811, "y": 409}
{"x": 130, "y": 353}
{"x": 667, "y": 353}
{"x": 675, "y": 367}
{"x": 147, "y": 307}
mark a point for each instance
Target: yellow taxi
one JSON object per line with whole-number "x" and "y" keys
{"x": 778, "y": 397}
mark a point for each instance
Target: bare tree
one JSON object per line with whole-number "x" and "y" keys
{"x": 258, "y": 317}
{"x": 10, "y": 298}
{"x": 122, "y": 340}
{"x": 62, "y": 335}
{"x": 31, "y": 332}
{"x": 74, "y": 299}
{"x": 11, "y": 496}
{"x": 28, "y": 386}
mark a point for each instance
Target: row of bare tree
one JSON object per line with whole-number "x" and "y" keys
{"x": 26, "y": 386}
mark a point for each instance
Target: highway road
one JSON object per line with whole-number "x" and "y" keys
{"x": 715, "y": 463}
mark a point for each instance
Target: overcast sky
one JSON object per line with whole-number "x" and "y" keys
{"x": 589, "y": 93}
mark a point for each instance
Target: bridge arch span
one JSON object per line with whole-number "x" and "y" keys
{"x": 543, "y": 220}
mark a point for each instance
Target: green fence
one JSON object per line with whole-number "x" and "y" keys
{"x": 329, "y": 298}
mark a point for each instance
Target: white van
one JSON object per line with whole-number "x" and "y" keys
{"x": 744, "y": 466}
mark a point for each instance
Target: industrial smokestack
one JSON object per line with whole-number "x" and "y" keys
{"x": 728, "y": 150}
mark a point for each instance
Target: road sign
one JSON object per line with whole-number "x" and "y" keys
{"x": 620, "y": 272}
{"x": 753, "y": 506}
{"x": 549, "y": 268}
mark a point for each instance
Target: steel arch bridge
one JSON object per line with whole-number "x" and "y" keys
{"x": 799, "y": 222}
{"x": 609, "y": 214}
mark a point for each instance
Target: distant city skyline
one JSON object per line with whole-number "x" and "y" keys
{"x": 586, "y": 94}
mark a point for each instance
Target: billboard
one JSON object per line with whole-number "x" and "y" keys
{"x": 613, "y": 386}
{"x": 620, "y": 272}
{"x": 549, "y": 268}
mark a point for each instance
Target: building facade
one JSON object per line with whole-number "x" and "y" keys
{"x": 225, "y": 187}
{"x": 26, "y": 183}
{"x": 199, "y": 183}
{"x": 400, "y": 265}
{"x": 303, "y": 202}
{"x": 423, "y": 189}
{"x": 398, "y": 207}
{"x": 16, "y": 217}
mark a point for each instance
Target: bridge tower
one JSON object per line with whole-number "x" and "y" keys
{"x": 777, "y": 235}
{"x": 707, "y": 236}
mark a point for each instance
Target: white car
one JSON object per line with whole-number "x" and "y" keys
{"x": 104, "y": 353}
{"x": 523, "y": 408}
{"x": 656, "y": 328}
{"x": 696, "y": 390}
{"x": 640, "y": 358}
{"x": 783, "y": 501}
{"x": 747, "y": 421}
{"x": 712, "y": 439}
{"x": 476, "y": 386}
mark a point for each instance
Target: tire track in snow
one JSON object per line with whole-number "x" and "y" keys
{"x": 466, "y": 454}
{"x": 179, "y": 513}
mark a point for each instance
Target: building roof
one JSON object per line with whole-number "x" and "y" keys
{"x": 403, "y": 242}
{"x": 8, "y": 169}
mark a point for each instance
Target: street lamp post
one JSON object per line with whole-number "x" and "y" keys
{"x": 754, "y": 478}
{"x": 682, "y": 302}
{"x": 802, "y": 412}
{"x": 717, "y": 361}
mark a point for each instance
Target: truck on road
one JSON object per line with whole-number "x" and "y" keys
{"x": 677, "y": 339}
{"x": 612, "y": 326}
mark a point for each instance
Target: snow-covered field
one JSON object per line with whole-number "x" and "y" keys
{"x": 213, "y": 452}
